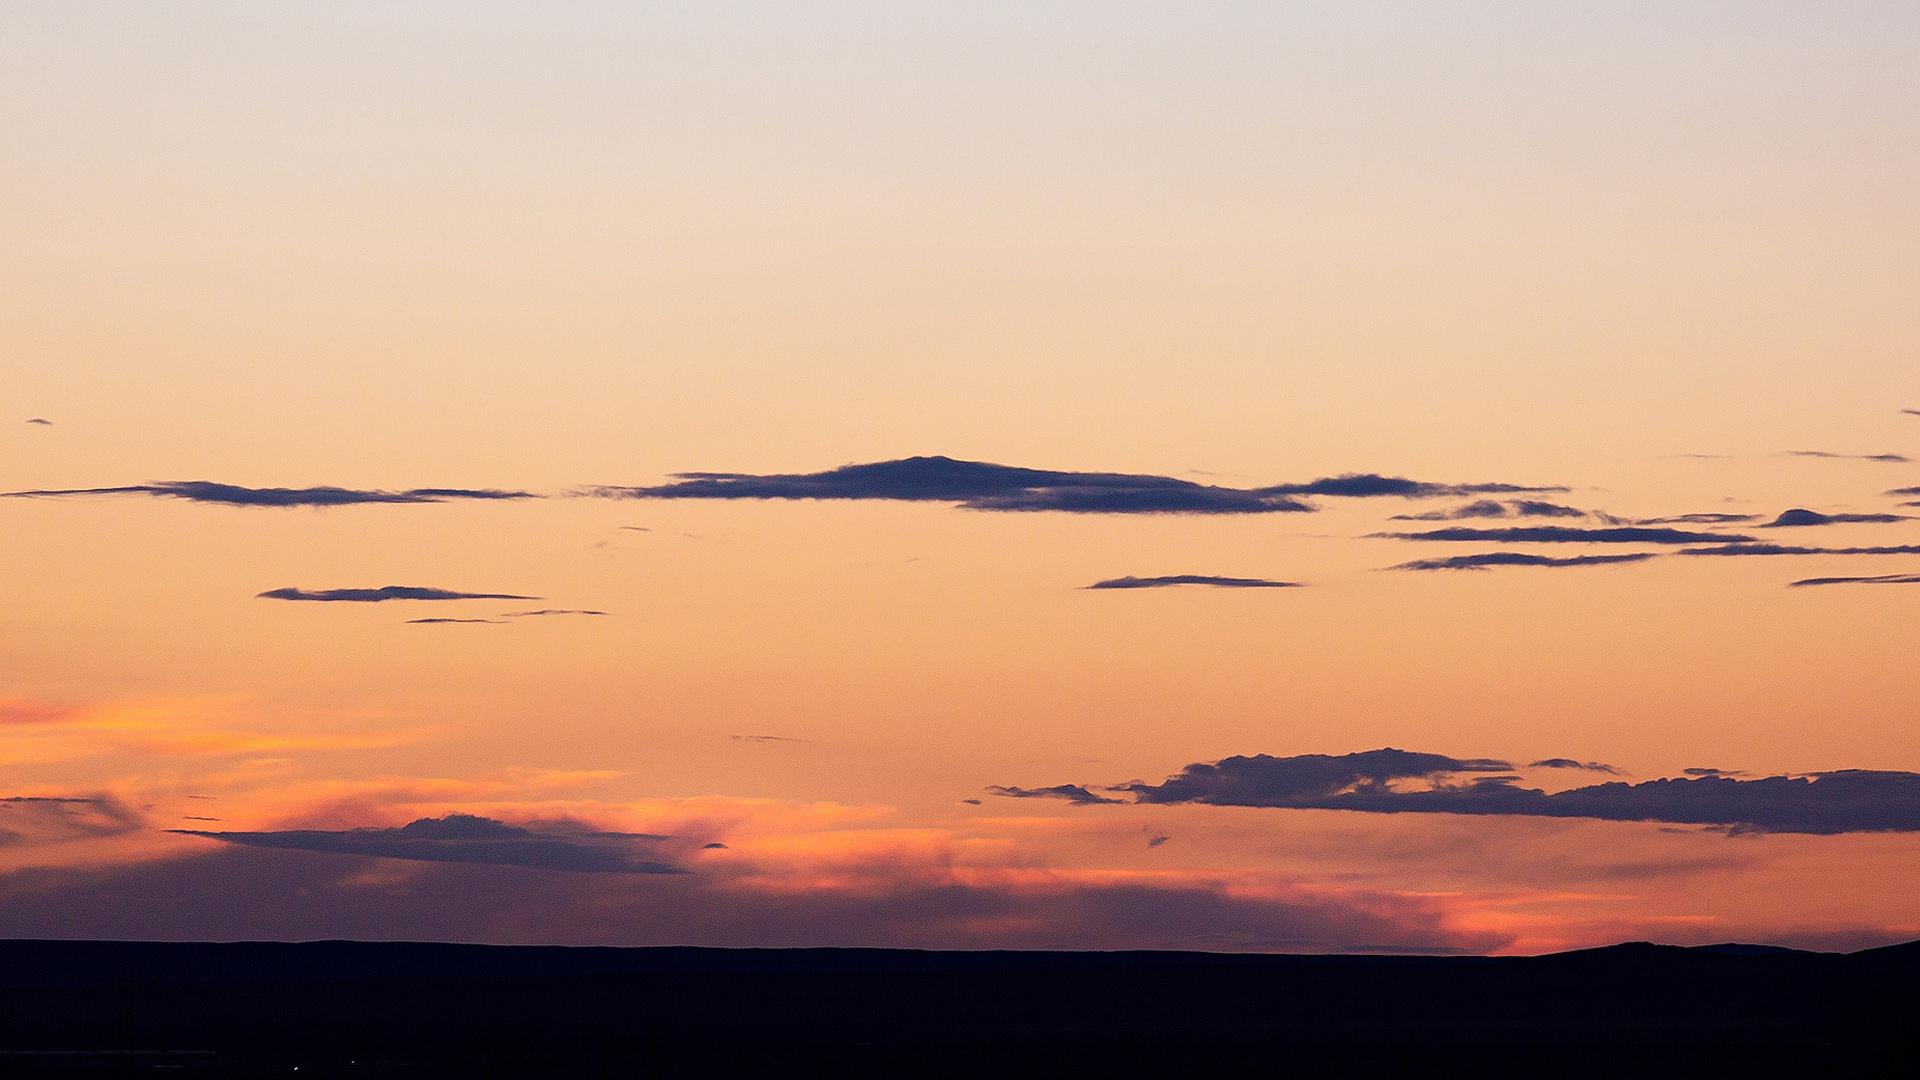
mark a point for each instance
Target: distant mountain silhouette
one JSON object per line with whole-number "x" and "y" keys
{"x": 366, "y": 1009}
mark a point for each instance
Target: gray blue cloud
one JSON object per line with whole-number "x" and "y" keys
{"x": 979, "y": 485}
{"x": 1564, "y": 534}
{"x": 1193, "y": 579}
{"x": 206, "y": 491}
{"x": 1493, "y": 559}
{"x": 1800, "y": 518}
{"x": 1398, "y": 781}
{"x": 466, "y": 838}
{"x": 1876, "y": 579}
{"x": 384, "y": 593}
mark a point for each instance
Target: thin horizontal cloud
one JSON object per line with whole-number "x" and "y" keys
{"x": 1911, "y": 412}
{"x": 1492, "y": 559}
{"x": 382, "y": 594}
{"x": 1702, "y": 771}
{"x": 1565, "y": 534}
{"x": 39, "y": 421}
{"x": 1073, "y": 793}
{"x": 1905, "y": 491}
{"x": 1697, "y": 519}
{"x": 467, "y": 838}
{"x": 1375, "y": 781}
{"x": 1192, "y": 579}
{"x": 978, "y": 485}
{"x": 1494, "y": 508}
{"x": 544, "y": 612}
{"x": 28, "y": 820}
{"x": 1571, "y": 763}
{"x": 1752, "y": 550}
{"x": 206, "y": 491}
{"x": 975, "y": 485}
{"x": 1373, "y": 486}
{"x": 449, "y": 621}
{"x": 765, "y": 739}
{"x": 1156, "y": 841}
{"x": 1800, "y": 518}
{"x": 1888, "y": 459}
{"x": 1877, "y": 579}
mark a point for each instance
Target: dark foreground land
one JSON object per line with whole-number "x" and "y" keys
{"x": 377, "y": 1010}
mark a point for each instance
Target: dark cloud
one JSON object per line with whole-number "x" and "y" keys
{"x": 1193, "y": 579}
{"x": 551, "y": 611}
{"x": 1713, "y": 772}
{"x": 1877, "y": 579}
{"x": 1753, "y": 549}
{"x": 27, "y": 820}
{"x": 447, "y": 622}
{"x": 1845, "y": 801}
{"x": 1073, "y": 793}
{"x": 1905, "y": 491}
{"x": 1564, "y": 534}
{"x": 1156, "y": 841}
{"x": 1569, "y": 763}
{"x": 383, "y": 593}
{"x": 205, "y": 491}
{"x": 971, "y": 802}
{"x": 1514, "y": 558}
{"x": 1911, "y": 412}
{"x": 466, "y": 838}
{"x": 979, "y": 485}
{"x": 1492, "y": 508}
{"x": 634, "y": 528}
{"x": 1890, "y": 459}
{"x": 39, "y": 421}
{"x": 1799, "y": 517}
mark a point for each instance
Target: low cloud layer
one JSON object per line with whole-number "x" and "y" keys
{"x": 466, "y": 838}
{"x": 206, "y": 491}
{"x": 382, "y": 594}
{"x": 979, "y": 485}
{"x": 1193, "y": 579}
{"x": 1397, "y": 781}
{"x": 1565, "y": 534}
{"x": 546, "y": 612}
{"x": 1493, "y": 559}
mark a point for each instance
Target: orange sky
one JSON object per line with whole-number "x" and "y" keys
{"x": 489, "y": 246}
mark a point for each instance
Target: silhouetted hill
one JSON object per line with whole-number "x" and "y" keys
{"x": 403, "y": 1009}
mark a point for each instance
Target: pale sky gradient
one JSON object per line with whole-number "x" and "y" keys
{"x": 537, "y": 246}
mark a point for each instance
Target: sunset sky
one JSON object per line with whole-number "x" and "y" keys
{"x": 587, "y": 309}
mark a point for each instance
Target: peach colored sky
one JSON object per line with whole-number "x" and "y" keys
{"x": 503, "y": 246}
